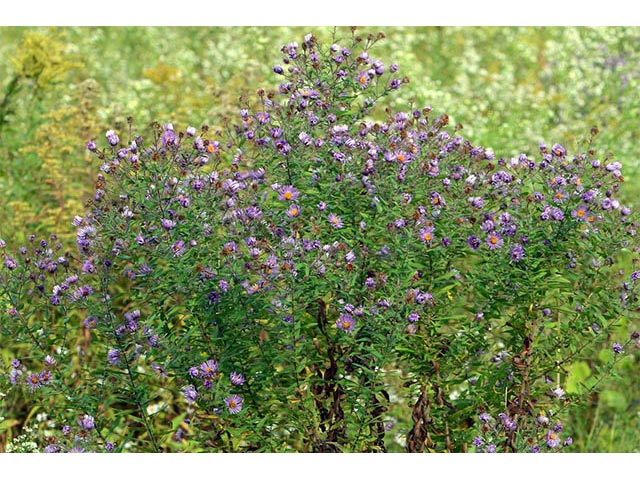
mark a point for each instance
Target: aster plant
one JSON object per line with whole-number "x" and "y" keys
{"x": 289, "y": 281}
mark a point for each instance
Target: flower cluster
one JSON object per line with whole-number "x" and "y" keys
{"x": 393, "y": 241}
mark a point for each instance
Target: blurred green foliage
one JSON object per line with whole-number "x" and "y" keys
{"x": 509, "y": 87}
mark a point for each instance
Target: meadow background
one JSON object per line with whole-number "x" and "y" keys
{"x": 510, "y": 88}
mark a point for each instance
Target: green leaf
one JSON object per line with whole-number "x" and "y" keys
{"x": 614, "y": 400}
{"x": 578, "y": 373}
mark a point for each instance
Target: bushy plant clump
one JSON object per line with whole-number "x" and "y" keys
{"x": 281, "y": 283}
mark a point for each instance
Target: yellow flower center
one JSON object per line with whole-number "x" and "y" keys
{"x": 580, "y": 213}
{"x": 401, "y": 158}
{"x": 363, "y": 79}
{"x": 232, "y": 404}
{"x": 288, "y": 195}
{"x": 552, "y": 436}
{"x": 210, "y": 148}
{"x": 493, "y": 240}
{"x": 294, "y": 211}
{"x": 427, "y": 236}
{"x": 346, "y": 324}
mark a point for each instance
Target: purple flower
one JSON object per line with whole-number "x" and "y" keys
{"x": 169, "y": 136}
{"x": 288, "y": 193}
{"x": 617, "y": 348}
{"x": 350, "y": 256}
{"x": 208, "y": 368}
{"x": 346, "y": 323}
{"x": 552, "y": 439}
{"x": 491, "y": 448}
{"x": 167, "y": 224}
{"x": 413, "y": 317}
{"x": 190, "y": 394}
{"x": 236, "y": 378}
{"x": 52, "y": 448}
{"x": 194, "y": 372}
{"x": 517, "y": 253}
{"x": 557, "y": 214}
{"x": 558, "y": 150}
{"x": 494, "y": 240}
{"x": 557, "y": 392}
{"x": 278, "y": 70}
{"x": 476, "y": 202}
{"x": 477, "y": 442}
{"x": 484, "y": 417}
{"x": 10, "y": 263}
{"x": 87, "y": 422}
{"x": 293, "y": 211}
{"x": 580, "y": 213}
{"x": 113, "y": 356}
{"x": 473, "y": 242}
{"x": 234, "y": 403}
{"x": 112, "y": 138}
{"x": 178, "y": 248}
{"x": 335, "y": 221}
{"x": 426, "y": 234}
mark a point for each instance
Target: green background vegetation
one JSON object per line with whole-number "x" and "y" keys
{"x": 509, "y": 87}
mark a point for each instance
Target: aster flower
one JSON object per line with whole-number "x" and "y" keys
{"x": 208, "y": 368}
{"x": 52, "y": 448}
{"x": 484, "y": 417}
{"x": 167, "y": 224}
{"x": 178, "y": 248}
{"x": 236, "y": 378}
{"x": 346, "y": 323}
{"x": 494, "y": 240}
{"x": 557, "y": 392}
{"x": 335, "y": 221}
{"x": 190, "y": 394}
{"x": 517, "y": 253}
{"x": 473, "y": 242}
{"x": 557, "y": 214}
{"x": 426, "y": 234}
{"x": 363, "y": 78}
{"x": 580, "y": 213}
{"x": 558, "y": 150}
{"x": 476, "y": 202}
{"x": 34, "y": 381}
{"x": 112, "y": 138}
{"x": 617, "y": 348}
{"x": 234, "y": 403}
{"x": 113, "y": 356}
{"x": 87, "y": 422}
{"x": 288, "y": 193}
{"x": 293, "y": 211}
{"x": 553, "y": 440}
